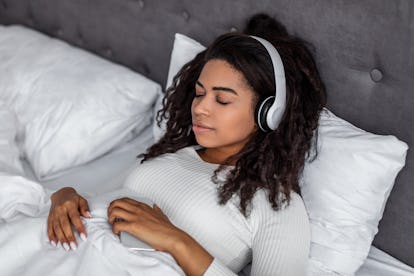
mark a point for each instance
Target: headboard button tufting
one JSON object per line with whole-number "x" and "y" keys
{"x": 141, "y": 4}
{"x": 186, "y": 15}
{"x": 109, "y": 52}
{"x": 31, "y": 19}
{"x": 143, "y": 68}
{"x": 80, "y": 41}
{"x": 59, "y": 32}
{"x": 4, "y": 4}
{"x": 376, "y": 75}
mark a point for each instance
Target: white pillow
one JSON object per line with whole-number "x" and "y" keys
{"x": 184, "y": 50}
{"x": 9, "y": 152}
{"x": 345, "y": 189}
{"x": 73, "y": 106}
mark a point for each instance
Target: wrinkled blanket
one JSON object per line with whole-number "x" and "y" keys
{"x": 25, "y": 248}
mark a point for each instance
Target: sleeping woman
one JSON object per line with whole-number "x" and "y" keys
{"x": 224, "y": 177}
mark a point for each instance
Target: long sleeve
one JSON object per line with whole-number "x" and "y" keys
{"x": 275, "y": 242}
{"x": 218, "y": 268}
{"x": 281, "y": 241}
{"x": 280, "y": 244}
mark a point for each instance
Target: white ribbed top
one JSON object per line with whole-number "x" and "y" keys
{"x": 276, "y": 242}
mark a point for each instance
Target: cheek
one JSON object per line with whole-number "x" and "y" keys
{"x": 239, "y": 123}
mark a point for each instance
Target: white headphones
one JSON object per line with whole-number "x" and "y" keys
{"x": 270, "y": 111}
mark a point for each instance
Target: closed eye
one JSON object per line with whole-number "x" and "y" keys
{"x": 222, "y": 102}
{"x": 199, "y": 93}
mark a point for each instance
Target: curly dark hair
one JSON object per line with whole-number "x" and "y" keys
{"x": 273, "y": 160}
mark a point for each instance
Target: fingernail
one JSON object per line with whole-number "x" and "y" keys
{"x": 66, "y": 246}
{"x": 53, "y": 243}
{"x": 83, "y": 236}
{"x": 89, "y": 214}
{"x": 73, "y": 246}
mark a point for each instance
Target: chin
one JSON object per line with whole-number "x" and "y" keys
{"x": 207, "y": 142}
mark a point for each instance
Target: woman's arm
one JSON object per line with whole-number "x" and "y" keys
{"x": 153, "y": 227}
{"x": 281, "y": 240}
{"x": 66, "y": 208}
{"x": 190, "y": 255}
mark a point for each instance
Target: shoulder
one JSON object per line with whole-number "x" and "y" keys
{"x": 166, "y": 158}
{"x": 281, "y": 239}
{"x": 261, "y": 204}
{"x": 188, "y": 152}
{"x": 183, "y": 161}
{"x": 291, "y": 212}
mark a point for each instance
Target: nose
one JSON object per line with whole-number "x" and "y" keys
{"x": 201, "y": 105}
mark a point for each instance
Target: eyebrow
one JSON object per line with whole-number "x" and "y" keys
{"x": 218, "y": 88}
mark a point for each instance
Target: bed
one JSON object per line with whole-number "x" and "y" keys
{"x": 364, "y": 50}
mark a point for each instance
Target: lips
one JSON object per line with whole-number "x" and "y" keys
{"x": 201, "y": 128}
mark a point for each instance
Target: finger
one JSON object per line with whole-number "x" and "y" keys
{"x": 84, "y": 208}
{"x": 60, "y": 235}
{"x": 160, "y": 212}
{"x": 67, "y": 231}
{"x": 119, "y": 213}
{"x": 50, "y": 233}
{"x": 119, "y": 226}
{"x": 77, "y": 222}
{"x": 137, "y": 203}
{"x": 131, "y": 201}
{"x": 157, "y": 209}
{"x": 120, "y": 203}
{"x": 128, "y": 204}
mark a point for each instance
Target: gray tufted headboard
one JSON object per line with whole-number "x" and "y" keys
{"x": 364, "y": 49}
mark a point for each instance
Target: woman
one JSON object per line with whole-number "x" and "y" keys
{"x": 228, "y": 191}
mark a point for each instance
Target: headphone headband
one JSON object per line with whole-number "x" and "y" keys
{"x": 273, "y": 115}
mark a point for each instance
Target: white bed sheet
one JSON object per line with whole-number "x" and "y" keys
{"x": 380, "y": 263}
{"x": 108, "y": 173}
{"x": 103, "y": 174}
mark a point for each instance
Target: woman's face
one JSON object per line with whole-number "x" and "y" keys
{"x": 222, "y": 109}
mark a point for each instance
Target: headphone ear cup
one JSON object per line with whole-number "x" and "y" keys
{"x": 262, "y": 111}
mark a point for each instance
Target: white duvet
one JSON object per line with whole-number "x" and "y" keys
{"x": 25, "y": 248}
{"x": 24, "y": 245}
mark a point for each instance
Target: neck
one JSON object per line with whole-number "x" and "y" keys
{"x": 216, "y": 156}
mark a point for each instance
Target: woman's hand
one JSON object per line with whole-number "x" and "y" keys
{"x": 66, "y": 208}
{"x": 152, "y": 226}
{"x": 148, "y": 223}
